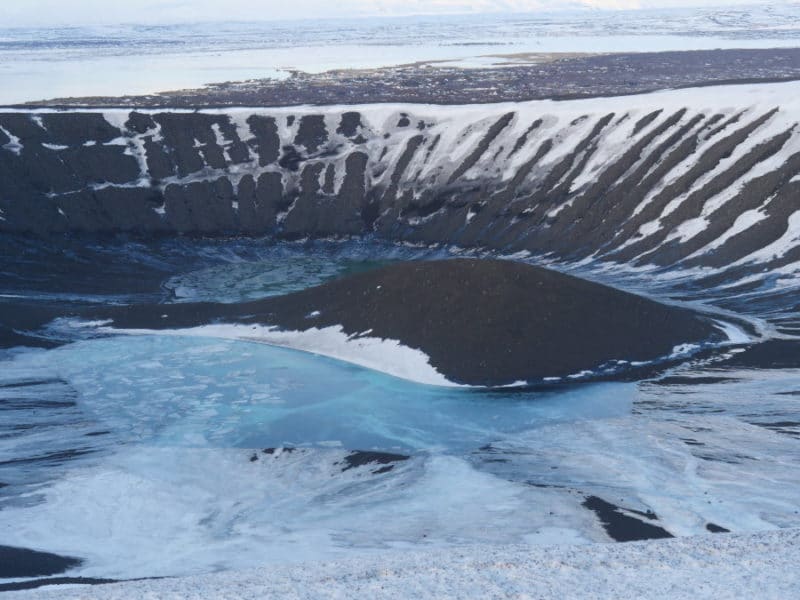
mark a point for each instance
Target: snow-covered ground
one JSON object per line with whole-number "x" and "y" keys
{"x": 47, "y": 62}
{"x": 762, "y": 565}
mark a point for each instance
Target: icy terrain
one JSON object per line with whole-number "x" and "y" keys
{"x": 181, "y": 455}
{"x": 177, "y": 455}
{"x": 759, "y": 566}
{"x": 38, "y": 63}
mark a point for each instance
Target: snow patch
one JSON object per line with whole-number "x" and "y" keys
{"x": 735, "y": 334}
{"x": 384, "y": 355}
{"x": 14, "y": 145}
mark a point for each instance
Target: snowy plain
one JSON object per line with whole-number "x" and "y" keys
{"x": 38, "y": 63}
{"x": 762, "y": 565}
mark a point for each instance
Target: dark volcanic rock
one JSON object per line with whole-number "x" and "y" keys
{"x": 481, "y": 322}
{"x": 265, "y": 138}
{"x": 349, "y": 124}
{"x": 312, "y": 132}
{"x": 682, "y": 190}
{"x": 773, "y": 354}
{"x": 19, "y": 321}
{"x": 20, "y": 562}
{"x": 622, "y": 527}
{"x": 70, "y": 128}
{"x": 9, "y": 338}
{"x": 34, "y": 584}
{"x": 360, "y": 458}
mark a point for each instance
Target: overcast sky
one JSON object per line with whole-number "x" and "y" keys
{"x": 85, "y": 12}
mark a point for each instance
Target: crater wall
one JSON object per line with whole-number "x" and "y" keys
{"x": 700, "y": 177}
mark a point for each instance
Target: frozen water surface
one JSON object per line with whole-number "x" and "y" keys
{"x": 198, "y": 392}
{"x": 170, "y": 455}
{"x": 187, "y": 416}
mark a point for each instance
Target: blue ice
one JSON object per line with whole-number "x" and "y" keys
{"x": 198, "y": 392}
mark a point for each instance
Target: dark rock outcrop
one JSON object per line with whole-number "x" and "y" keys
{"x": 480, "y": 322}
{"x": 21, "y": 562}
